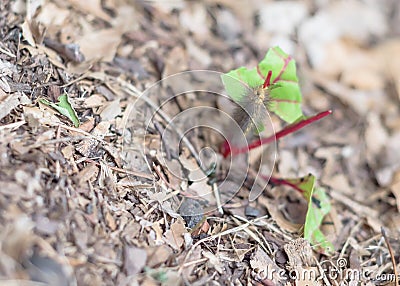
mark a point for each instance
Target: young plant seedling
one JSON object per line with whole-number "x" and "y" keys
{"x": 273, "y": 87}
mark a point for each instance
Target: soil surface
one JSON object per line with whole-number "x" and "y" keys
{"x": 98, "y": 187}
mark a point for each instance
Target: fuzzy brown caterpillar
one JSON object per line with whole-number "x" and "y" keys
{"x": 253, "y": 107}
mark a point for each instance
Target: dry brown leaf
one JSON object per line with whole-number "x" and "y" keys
{"x": 87, "y": 147}
{"x": 52, "y": 16}
{"x": 12, "y": 189}
{"x": 174, "y": 236}
{"x": 176, "y": 61}
{"x": 157, "y": 255}
{"x": 336, "y": 21}
{"x": 195, "y": 256}
{"x": 359, "y": 100}
{"x": 36, "y": 117}
{"x": 87, "y": 173}
{"x": 277, "y": 215}
{"x": 88, "y": 125}
{"x": 340, "y": 183}
{"x": 332, "y": 226}
{"x": 18, "y": 238}
{"x": 287, "y": 163}
{"x": 27, "y": 33}
{"x": 194, "y": 19}
{"x": 190, "y": 164}
{"x": 68, "y": 151}
{"x": 330, "y": 154}
{"x": 110, "y": 110}
{"x": 134, "y": 260}
{"x": 390, "y": 64}
{"x": 203, "y": 190}
{"x": 202, "y": 58}
{"x": 31, "y": 183}
{"x": 100, "y": 45}
{"x": 126, "y": 19}
{"x": 214, "y": 261}
{"x": 375, "y": 136}
{"x": 91, "y": 7}
{"x": 20, "y": 147}
{"x": 94, "y": 100}
{"x": 174, "y": 173}
{"x": 11, "y": 102}
{"x": 159, "y": 232}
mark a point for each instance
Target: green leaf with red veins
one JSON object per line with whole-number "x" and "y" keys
{"x": 282, "y": 84}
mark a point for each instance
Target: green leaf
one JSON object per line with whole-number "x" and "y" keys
{"x": 238, "y": 82}
{"x": 304, "y": 184}
{"x": 283, "y": 66}
{"x": 64, "y": 107}
{"x": 286, "y": 101}
{"x": 318, "y": 206}
{"x": 158, "y": 274}
{"x": 284, "y": 90}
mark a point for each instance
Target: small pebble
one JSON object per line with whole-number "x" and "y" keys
{"x": 192, "y": 212}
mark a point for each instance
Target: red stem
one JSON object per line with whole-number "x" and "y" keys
{"x": 267, "y": 81}
{"x": 226, "y": 148}
{"x": 277, "y": 181}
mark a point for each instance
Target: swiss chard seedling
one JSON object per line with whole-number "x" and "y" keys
{"x": 273, "y": 86}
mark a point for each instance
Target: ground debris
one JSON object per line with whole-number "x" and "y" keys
{"x": 96, "y": 205}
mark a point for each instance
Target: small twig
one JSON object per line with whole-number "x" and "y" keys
{"x": 351, "y": 235}
{"x": 217, "y": 198}
{"x": 83, "y": 76}
{"x": 57, "y": 145}
{"x": 229, "y": 231}
{"x": 267, "y": 247}
{"x": 129, "y": 172}
{"x": 162, "y": 177}
{"x": 396, "y": 276}
{"x": 13, "y": 125}
{"x": 357, "y": 207}
{"x": 321, "y": 270}
{"x": 59, "y": 140}
{"x": 7, "y": 52}
{"x": 187, "y": 264}
{"x": 82, "y": 132}
{"x": 211, "y": 237}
